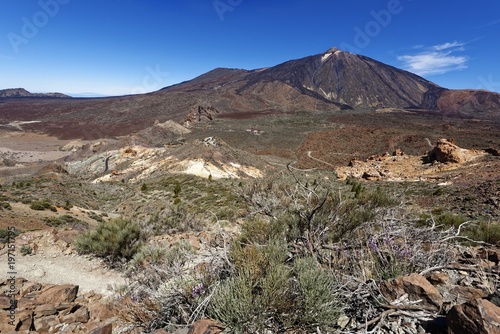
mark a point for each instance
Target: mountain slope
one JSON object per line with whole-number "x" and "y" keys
{"x": 331, "y": 81}
{"x": 350, "y": 79}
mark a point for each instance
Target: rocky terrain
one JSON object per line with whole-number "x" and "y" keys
{"x": 328, "y": 194}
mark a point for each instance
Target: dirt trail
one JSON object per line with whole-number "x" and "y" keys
{"x": 54, "y": 267}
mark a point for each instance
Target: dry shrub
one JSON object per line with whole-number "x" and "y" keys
{"x": 115, "y": 240}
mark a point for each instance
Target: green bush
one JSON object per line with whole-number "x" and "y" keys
{"x": 485, "y": 231}
{"x": 317, "y": 301}
{"x": 157, "y": 256}
{"x": 67, "y": 205}
{"x": 66, "y": 221}
{"x": 233, "y": 304}
{"x": 260, "y": 231}
{"x": 40, "y": 205}
{"x": 114, "y": 240}
{"x": 25, "y": 250}
{"x": 449, "y": 219}
{"x": 268, "y": 292}
{"x": 5, "y": 205}
{"x": 5, "y": 234}
{"x": 177, "y": 189}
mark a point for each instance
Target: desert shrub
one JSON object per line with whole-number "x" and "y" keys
{"x": 40, "y": 205}
{"x": 314, "y": 212}
{"x": 233, "y": 304}
{"x": 66, "y": 221}
{"x": 478, "y": 230}
{"x": 268, "y": 292}
{"x": 177, "y": 189}
{"x": 95, "y": 216}
{"x": 157, "y": 263}
{"x": 25, "y": 250}
{"x": 115, "y": 240}
{"x": 391, "y": 254}
{"x": 175, "y": 219}
{"x": 260, "y": 231}
{"x": 484, "y": 231}
{"x": 175, "y": 296}
{"x": 67, "y": 205}
{"x": 5, "y": 234}
{"x": 178, "y": 300}
{"x": 257, "y": 294}
{"x": 5, "y": 205}
{"x": 318, "y": 303}
{"x": 148, "y": 255}
{"x": 448, "y": 219}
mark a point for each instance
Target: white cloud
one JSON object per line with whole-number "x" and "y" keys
{"x": 437, "y": 59}
{"x": 445, "y": 46}
{"x": 489, "y": 24}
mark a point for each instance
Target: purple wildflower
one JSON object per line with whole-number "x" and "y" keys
{"x": 197, "y": 290}
{"x": 387, "y": 238}
{"x": 372, "y": 244}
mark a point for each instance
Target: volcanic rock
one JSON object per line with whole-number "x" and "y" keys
{"x": 476, "y": 316}
{"x": 416, "y": 286}
{"x": 205, "y": 326}
{"x": 446, "y": 151}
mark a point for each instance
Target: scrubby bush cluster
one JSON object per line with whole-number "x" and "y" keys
{"x": 42, "y": 205}
{"x": 5, "y": 205}
{"x": 481, "y": 230}
{"x": 115, "y": 240}
{"x": 66, "y": 221}
{"x": 308, "y": 251}
{"x": 270, "y": 290}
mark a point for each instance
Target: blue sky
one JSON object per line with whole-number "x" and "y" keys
{"x": 116, "y": 47}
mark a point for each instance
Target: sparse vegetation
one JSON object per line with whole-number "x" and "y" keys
{"x": 5, "y": 205}
{"x": 66, "y": 221}
{"x": 116, "y": 240}
{"x": 266, "y": 255}
{"x": 42, "y": 205}
{"x": 5, "y": 234}
{"x": 25, "y": 250}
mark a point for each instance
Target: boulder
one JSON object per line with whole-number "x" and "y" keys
{"x": 416, "y": 286}
{"x": 477, "y": 316}
{"x": 106, "y": 329}
{"x": 24, "y": 320}
{"x": 59, "y": 294}
{"x": 80, "y": 315}
{"x": 494, "y": 298}
{"x": 44, "y": 324}
{"x": 30, "y": 287}
{"x": 101, "y": 311}
{"x": 438, "y": 278}
{"x": 45, "y": 310}
{"x": 446, "y": 151}
{"x": 205, "y": 326}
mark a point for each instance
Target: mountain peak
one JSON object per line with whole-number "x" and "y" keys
{"x": 332, "y": 50}
{"x": 329, "y": 52}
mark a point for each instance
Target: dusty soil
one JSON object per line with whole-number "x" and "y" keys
{"x": 54, "y": 262}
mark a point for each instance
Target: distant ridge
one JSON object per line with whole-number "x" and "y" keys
{"x": 21, "y": 92}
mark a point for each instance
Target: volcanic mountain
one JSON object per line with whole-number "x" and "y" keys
{"x": 21, "y": 92}
{"x": 330, "y": 81}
